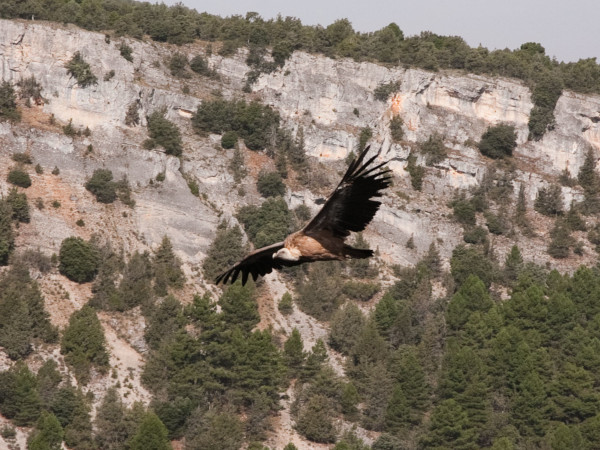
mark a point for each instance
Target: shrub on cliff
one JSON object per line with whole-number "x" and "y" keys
{"x": 19, "y": 178}
{"x": 498, "y": 141}
{"x": 165, "y": 133}
{"x": 81, "y": 71}
{"x": 78, "y": 260}
{"x": 8, "y": 103}
{"x": 102, "y": 186}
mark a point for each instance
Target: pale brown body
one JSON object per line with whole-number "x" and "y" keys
{"x": 327, "y": 248}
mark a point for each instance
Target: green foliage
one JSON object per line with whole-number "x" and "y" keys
{"x": 177, "y": 65}
{"x": 18, "y": 204}
{"x": 19, "y": 398}
{"x": 416, "y": 172}
{"x": 151, "y": 434}
{"x": 270, "y": 184}
{"x": 7, "y": 239}
{"x": 102, "y": 186}
{"x": 165, "y": 133}
{"x": 464, "y": 211}
{"x": 321, "y": 293}
{"x": 314, "y": 421}
{"x": 19, "y": 178}
{"x": 498, "y": 141}
{"x": 546, "y": 92}
{"x": 199, "y": 65}
{"x": 48, "y": 434}
{"x": 224, "y": 251}
{"x": 396, "y": 130}
{"x": 286, "y": 304}
{"x": 468, "y": 261}
{"x": 23, "y": 318}
{"x": 590, "y": 182}
{"x": 549, "y": 201}
{"x": 253, "y": 122}
{"x": 84, "y": 344}
{"x": 293, "y": 353}
{"x": 229, "y": 139}
{"x": 383, "y": 91}
{"x": 125, "y": 51}
{"x": 357, "y": 290}
{"x": 30, "y": 89}
{"x": 561, "y": 241}
{"x": 81, "y": 71}
{"x": 166, "y": 268}
{"x": 164, "y": 320}
{"x": 219, "y": 431}
{"x": 266, "y": 224}
{"x": 433, "y": 149}
{"x": 78, "y": 260}
{"x": 8, "y": 103}
{"x": 365, "y": 134}
{"x": 346, "y": 325}
{"x": 22, "y": 158}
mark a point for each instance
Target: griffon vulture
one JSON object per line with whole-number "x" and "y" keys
{"x": 349, "y": 208}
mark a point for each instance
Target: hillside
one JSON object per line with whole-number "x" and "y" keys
{"x": 332, "y": 103}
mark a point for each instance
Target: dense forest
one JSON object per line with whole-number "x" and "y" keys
{"x": 488, "y": 351}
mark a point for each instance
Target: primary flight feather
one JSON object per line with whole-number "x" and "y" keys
{"x": 349, "y": 208}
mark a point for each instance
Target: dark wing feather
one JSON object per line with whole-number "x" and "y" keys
{"x": 351, "y": 206}
{"x": 259, "y": 262}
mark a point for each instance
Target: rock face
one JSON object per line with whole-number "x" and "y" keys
{"x": 332, "y": 100}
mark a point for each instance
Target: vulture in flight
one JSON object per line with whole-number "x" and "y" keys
{"x": 349, "y": 208}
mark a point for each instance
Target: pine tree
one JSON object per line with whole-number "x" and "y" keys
{"x": 112, "y": 431}
{"x": 7, "y": 239}
{"x": 151, "y": 434}
{"x": 164, "y": 320}
{"x": 293, "y": 352}
{"x": 449, "y": 428}
{"x": 349, "y": 401}
{"x": 530, "y": 406}
{"x": 521, "y": 211}
{"x": 397, "y": 414}
{"x": 84, "y": 344}
{"x": 346, "y": 324}
{"x": 167, "y": 268}
{"x": 513, "y": 263}
{"x": 314, "y": 421}
{"x": 315, "y": 360}
{"x": 224, "y": 251}
{"x": 136, "y": 286}
{"x": 48, "y": 434}
{"x": 410, "y": 378}
{"x": 590, "y": 182}
{"x": 19, "y": 397}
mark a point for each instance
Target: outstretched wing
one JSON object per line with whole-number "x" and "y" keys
{"x": 351, "y": 206}
{"x": 259, "y": 262}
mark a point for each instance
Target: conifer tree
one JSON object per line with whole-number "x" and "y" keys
{"x": 19, "y": 397}
{"x": 449, "y": 428}
{"x": 513, "y": 264}
{"x": 112, "y": 431}
{"x": 293, "y": 352}
{"x": 226, "y": 249}
{"x": 167, "y": 268}
{"x": 7, "y": 240}
{"x": 315, "y": 360}
{"x": 346, "y": 324}
{"x": 590, "y": 182}
{"x": 84, "y": 344}
{"x": 48, "y": 434}
{"x": 397, "y": 414}
{"x": 151, "y": 434}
